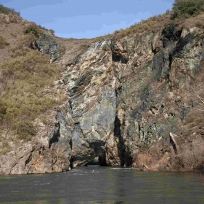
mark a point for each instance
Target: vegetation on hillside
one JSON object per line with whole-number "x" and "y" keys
{"x": 23, "y": 46}
{"x": 23, "y": 94}
{"x": 187, "y": 8}
{"x": 27, "y": 79}
{"x": 3, "y": 42}
{"x": 7, "y": 10}
{"x": 152, "y": 24}
{"x": 32, "y": 29}
{"x": 181, "y": 9}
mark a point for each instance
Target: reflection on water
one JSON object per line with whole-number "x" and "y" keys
{"x": 94, "y": 184}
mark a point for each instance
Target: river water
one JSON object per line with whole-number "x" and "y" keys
{"x": 95, "y": 184}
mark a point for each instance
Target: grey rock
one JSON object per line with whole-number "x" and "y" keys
{"x": 46, "y": 44}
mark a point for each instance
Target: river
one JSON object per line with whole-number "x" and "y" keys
{"x": 95, "y": 184}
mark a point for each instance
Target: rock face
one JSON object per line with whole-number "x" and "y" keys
{"x": 45, "y": 43}
{"x": 30, "y": 159}
{"x": 92, "y": 107}
{"x": 129, "y": 98}
{"x": 131, "y": 103}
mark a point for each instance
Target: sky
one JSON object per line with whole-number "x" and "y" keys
{"x": 87, "y": 18}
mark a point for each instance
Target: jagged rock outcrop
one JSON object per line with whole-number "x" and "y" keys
{"x": 128, "y": 95}
{"x": 130, "y": 103}
{"x": 46, "y": 44}
{"x": 29, "y": 159}
{"x": 92, "y": 107}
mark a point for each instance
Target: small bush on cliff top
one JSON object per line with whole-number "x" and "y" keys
{"x": 6, "y": 10}
{"x": 187, "y": 8}
{"x": 32, "y": 29}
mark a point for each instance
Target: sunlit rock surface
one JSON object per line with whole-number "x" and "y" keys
{"x": 132, "y": 102}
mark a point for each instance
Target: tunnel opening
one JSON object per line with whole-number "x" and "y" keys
{"x": 99, "y": 154}
{"x": 99, "y": 157}
{"x": 94, "y": 161}
{"x": 97, "y": 161}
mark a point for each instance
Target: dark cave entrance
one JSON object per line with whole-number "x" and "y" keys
{"x": 99, "y": 154}
{"x": 97, "y": 160}
{"x": 94, "y": 161}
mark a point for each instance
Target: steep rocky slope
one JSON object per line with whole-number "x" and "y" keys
{"x": 131, "y": 100}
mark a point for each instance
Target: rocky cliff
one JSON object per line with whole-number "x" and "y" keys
{"x": 136, "y": 101}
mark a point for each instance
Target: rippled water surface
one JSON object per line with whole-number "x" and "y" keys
{"x": 94, "y": 184}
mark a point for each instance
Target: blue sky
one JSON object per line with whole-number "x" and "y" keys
{"x": 87, "y": 18}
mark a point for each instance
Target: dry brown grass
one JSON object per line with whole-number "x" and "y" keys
{"x": 196, "y": 21}
{"x": 5, "y": 147}
{"x": 72, "y": 47}
{"x": 14, "y": 33}
{"x": 153, "y": 24}
{"x": 191, "y": 158}
{"x": 24, "y": 45}
{"x": 23, "y": 95}
{"x": 3, "y": 42}
{"x": 7, "y": 31}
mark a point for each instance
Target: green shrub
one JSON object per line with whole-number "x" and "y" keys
{"x": 187, "y": 8}
{"x": 5, "y": 150}
{"x": 32, "y": 29}
{"x": 25, "y": 130}
{"x": 169, "y": 28}
{"x": 6, "y": 10}
{"x": 105, "y": 47}
{"x": 14, "y": 34}
{"x": 52, "y": 31}
{"x": 199, "y": 24}
{"x": 3, "y": 43}
{"x": 3, "y": 108}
